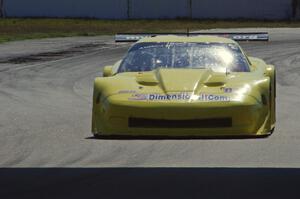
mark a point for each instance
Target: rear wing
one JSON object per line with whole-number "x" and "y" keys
{"x": 243, "y": 36}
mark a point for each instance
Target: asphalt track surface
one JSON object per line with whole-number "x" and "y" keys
{"x": 45, "y": 110}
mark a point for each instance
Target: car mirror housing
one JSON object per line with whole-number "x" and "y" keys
{"x": 107, "y": 71}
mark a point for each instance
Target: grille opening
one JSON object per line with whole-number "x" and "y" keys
{"x": 195, "y": 123}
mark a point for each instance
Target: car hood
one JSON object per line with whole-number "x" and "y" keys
{"x": 161, "y": 82}
{"x": 183, "y": 80}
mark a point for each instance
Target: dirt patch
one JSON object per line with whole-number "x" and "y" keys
{"x": 50, "y": 56}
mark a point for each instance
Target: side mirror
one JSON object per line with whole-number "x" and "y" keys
{"x": 107, "y": 71}
{"x": 270, "y": 70}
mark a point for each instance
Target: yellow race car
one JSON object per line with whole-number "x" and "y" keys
{"x": 186, "y": 86}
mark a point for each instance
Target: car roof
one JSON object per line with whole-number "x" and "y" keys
{"x": 195, "y": 39}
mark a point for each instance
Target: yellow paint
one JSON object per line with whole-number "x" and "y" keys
{"x": 116, "y": 98}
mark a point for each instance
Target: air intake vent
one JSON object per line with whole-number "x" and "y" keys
{"x": 196, "y": 123}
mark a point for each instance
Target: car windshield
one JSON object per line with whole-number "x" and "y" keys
{"x": 219, "y": 57}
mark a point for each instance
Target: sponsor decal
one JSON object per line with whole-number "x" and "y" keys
{"x": 175, "y": 96}
{"x": 227, "y": 90}
{"x": 161, "y": 97}
{"x": 213, "y": 98}
{"x": 139, "y": 97}
{"x": 180, "y": 97}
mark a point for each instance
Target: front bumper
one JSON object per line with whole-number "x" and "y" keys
{"x": 248, "y": 118}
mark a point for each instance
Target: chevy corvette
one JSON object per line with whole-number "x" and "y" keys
{"x": 200, "y": 85}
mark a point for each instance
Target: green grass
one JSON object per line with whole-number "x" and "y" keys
{"x": 20, "y": 29}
